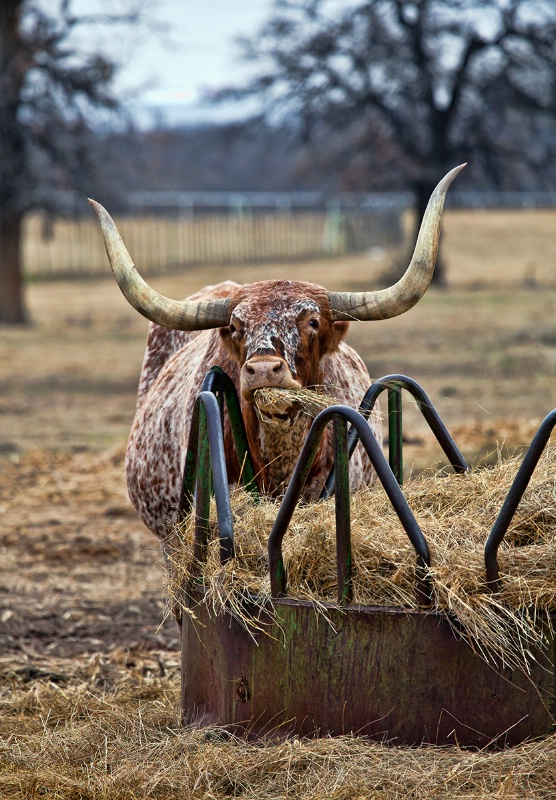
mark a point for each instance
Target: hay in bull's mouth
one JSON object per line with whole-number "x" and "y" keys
{"x": 455, "y": 513}
{"x": 310, "y": 401}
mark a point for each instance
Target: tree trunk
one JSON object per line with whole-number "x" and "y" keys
{"x": 423, "y": 190}
{"x": 12, "y": 307}
{"x": 13, "y": 162}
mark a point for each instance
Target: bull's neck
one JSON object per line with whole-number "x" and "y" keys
{"x": 275, "y": 448}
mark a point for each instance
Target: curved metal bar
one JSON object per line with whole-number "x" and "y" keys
{"x": 212, "y": 382}
{"x": 395, "y": 383}
{"x": 203, "y": 489}
{"x": 218, "y": 463}
{"x": 385, "y": 475}
{"x": 432, "y": 418}
{"x": 206, "y": 429}
{"x": 220, "y": 384}
{"x": 395, "y": 432}
{"x": 189, "y": 478}
{"x": 513, "y": 498}
{"x": 343, "y": 512}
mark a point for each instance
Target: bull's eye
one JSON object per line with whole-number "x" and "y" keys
{"x": 236, "y": 332}
{"x": 314, "y": 323}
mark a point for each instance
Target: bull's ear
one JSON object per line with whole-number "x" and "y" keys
{"x": 336, "y": 334}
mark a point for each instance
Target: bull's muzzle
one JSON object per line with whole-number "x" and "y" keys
{"x": 262, "y": 372}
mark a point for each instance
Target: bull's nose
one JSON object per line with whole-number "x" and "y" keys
{"x": 265, "y": 371}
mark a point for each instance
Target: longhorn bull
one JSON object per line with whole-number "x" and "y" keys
{"x": 286, "y": 334}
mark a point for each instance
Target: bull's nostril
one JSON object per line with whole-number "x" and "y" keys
{"x": 278, "y": 367}
{"x": 250, "y": 370}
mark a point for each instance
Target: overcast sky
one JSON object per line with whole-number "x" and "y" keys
{"x": 194, "y": 53}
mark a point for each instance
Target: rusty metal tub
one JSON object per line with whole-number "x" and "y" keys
{"x": 386, "y": 673}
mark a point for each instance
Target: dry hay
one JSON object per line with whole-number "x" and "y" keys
{"x": 310, "y": 400}
{"x": 455, "y": 513}
{"x": 123, "y": 741}
{"x": 104, "y": 725}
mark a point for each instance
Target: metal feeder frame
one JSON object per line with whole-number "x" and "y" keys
{"x": 401, "y": 676}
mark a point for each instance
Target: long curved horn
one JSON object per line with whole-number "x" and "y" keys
{"x": 178, "y": 315}
{"x": 404, "y": 294}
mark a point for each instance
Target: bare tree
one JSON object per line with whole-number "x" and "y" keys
{"x": 452, "y": 80}
{"x": 49, "y": 95}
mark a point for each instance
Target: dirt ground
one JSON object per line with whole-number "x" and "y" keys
{"x": 81, "y": 583}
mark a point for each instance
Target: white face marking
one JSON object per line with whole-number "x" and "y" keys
{"x": 279, "y": 327}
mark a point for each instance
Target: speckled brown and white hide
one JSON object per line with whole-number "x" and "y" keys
{"x": 280, "y": 326}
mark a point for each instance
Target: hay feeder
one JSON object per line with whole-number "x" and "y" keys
{"x": 402, "y": 676}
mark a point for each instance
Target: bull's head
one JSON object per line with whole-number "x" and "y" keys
{"x": 278, "y": 331}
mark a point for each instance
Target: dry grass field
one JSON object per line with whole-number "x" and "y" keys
{"x": 89, "y": 676}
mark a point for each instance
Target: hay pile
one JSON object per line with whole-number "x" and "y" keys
{"x": 455, "y": 512}
{"x": 95, "y": 716}
{"x": 80, "y": 742}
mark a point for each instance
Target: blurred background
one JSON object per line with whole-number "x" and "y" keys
{"x": 248, "y": 139}
{"x": 252, "y": 130}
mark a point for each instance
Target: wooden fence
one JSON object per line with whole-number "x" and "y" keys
{"x": 165, "y": 231}
{"x": 159, "y": 243}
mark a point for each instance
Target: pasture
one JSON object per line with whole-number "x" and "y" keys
{"x": 89, "y": 667}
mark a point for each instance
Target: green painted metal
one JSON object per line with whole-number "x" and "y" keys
{"x": 427, "y": 409}
{"x": 342, "y": 510}
{"x": 240, "y": 439}
{"x": 513, "y": 498}
{"x": 203, "y": 490}
{"x": 223, "y": 386}
{"x": 388, "y": 673}
{"x": 278, "y": 577}
{"x": 205, "y": 472}
{"x": 399, "y": 676}
{"x": 197, "y": 474}
{"x": 395, "y": 441}
{"x": 190, "y": 468}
